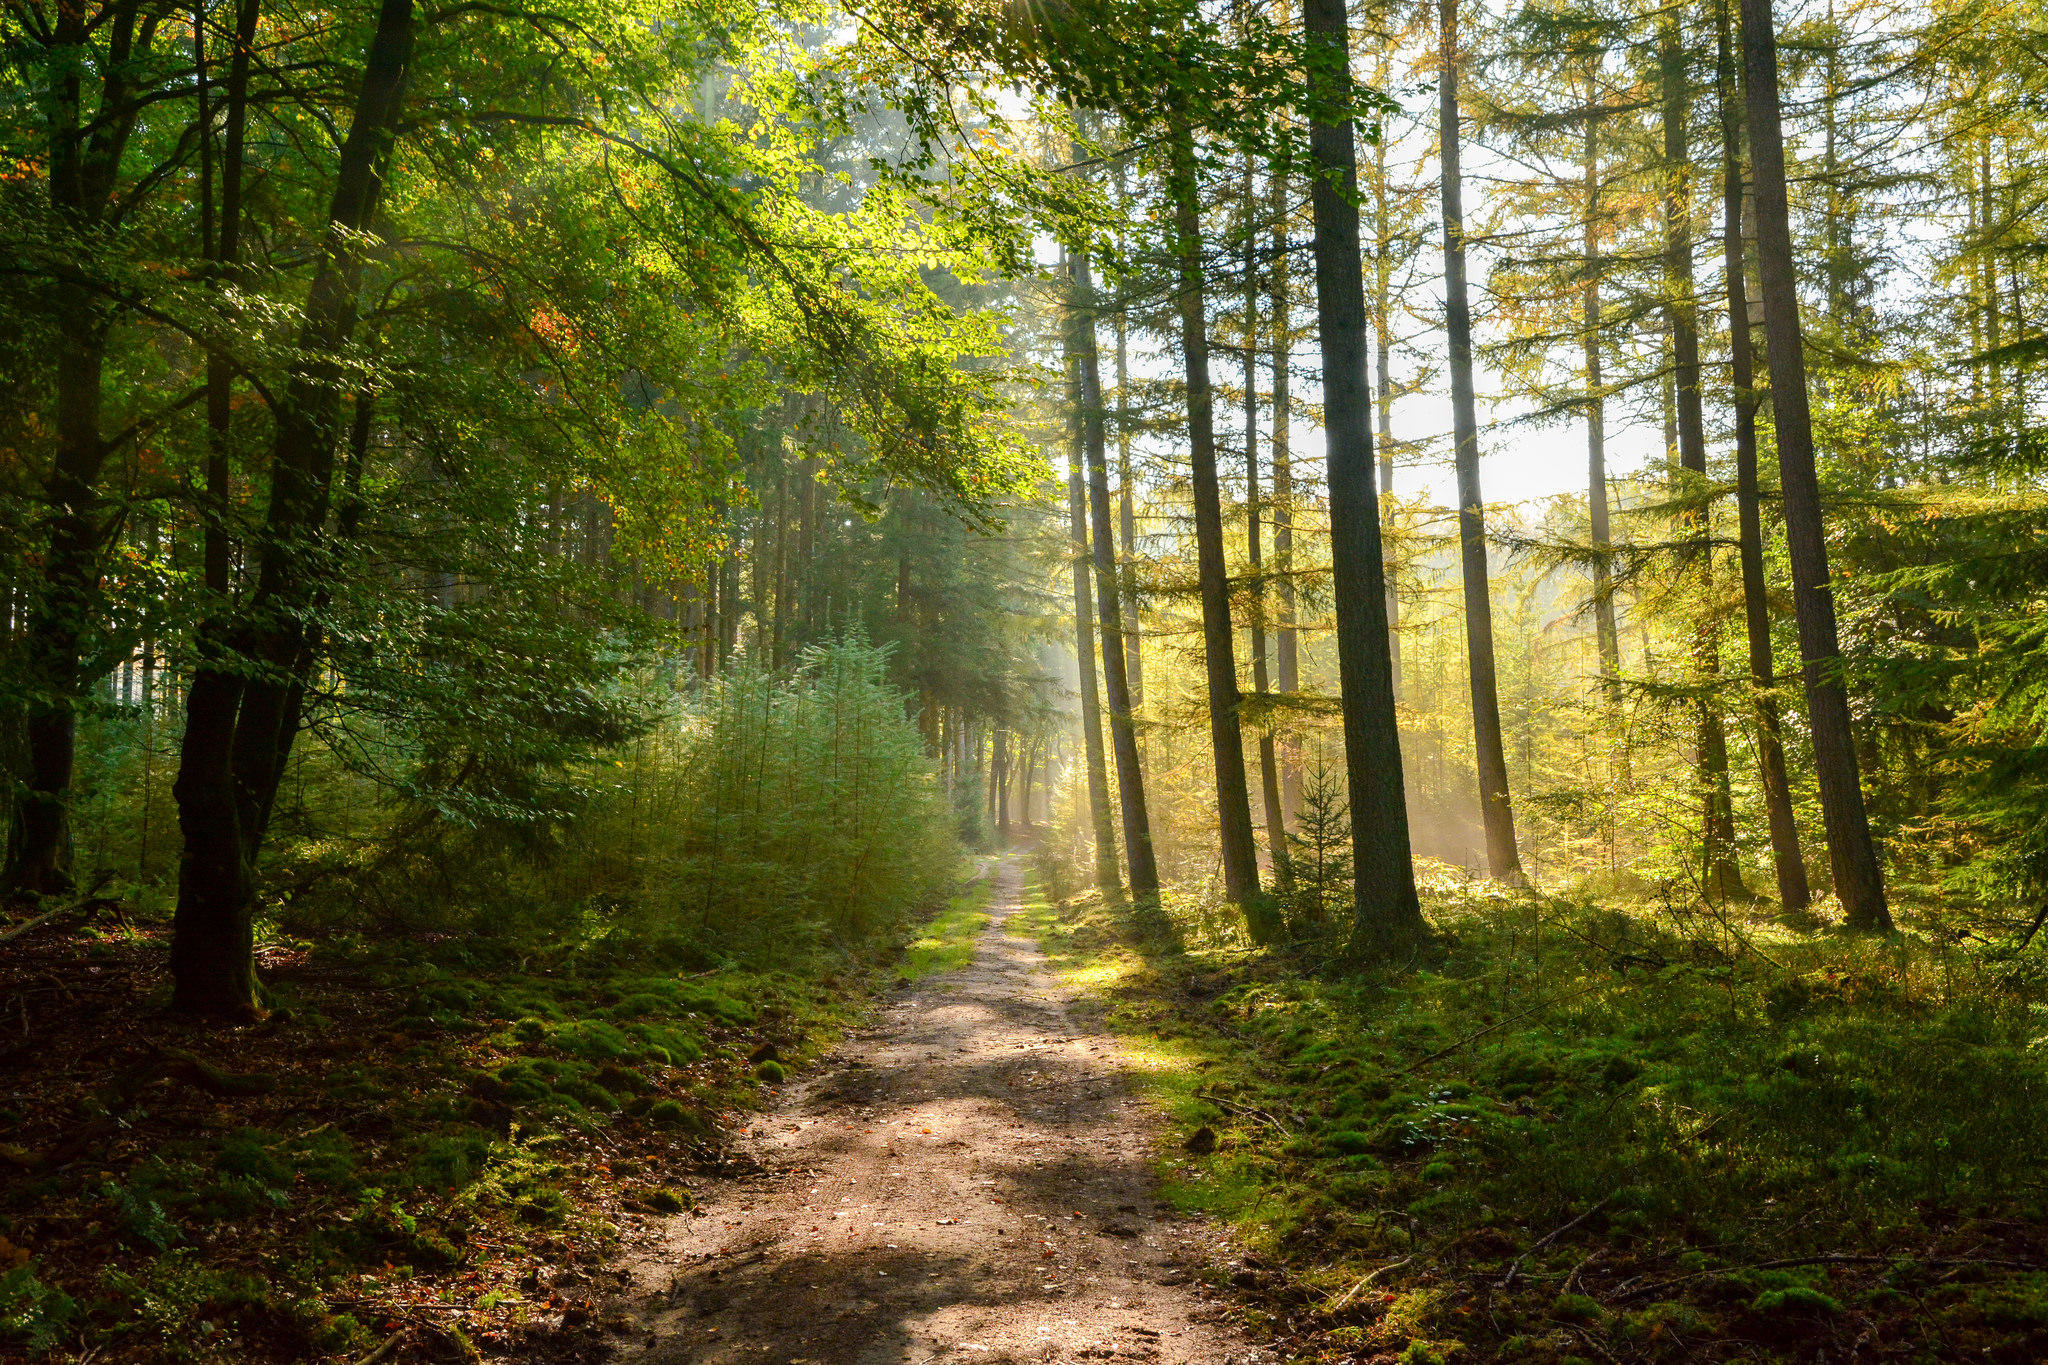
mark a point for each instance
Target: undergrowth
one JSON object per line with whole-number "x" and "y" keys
{"x": 492, "y": 1043}
{"x": 417, "y": 1142}
{"x": 1585, "y": 1132}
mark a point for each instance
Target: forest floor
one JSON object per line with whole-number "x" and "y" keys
{"x": 967, "y": 1178}
{"x": 1573, "y": 1132}
{"x": 433, "y": 1148}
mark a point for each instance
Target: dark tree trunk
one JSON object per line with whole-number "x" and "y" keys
{"x": 84, "y": 162}
{"x": 1100, "y": 819}
{"x": 1287, "y": 653}
{"x": 236, "y": 740}
{"x": 1496, "y": 812}
{"x": 1269, "y": 767}
{"x": 1139, "y": 859}
{"x": 1852, "y": 854}
{"x": 1219, "y": 649}
{"x": 1000, "y": 777}
{"x": 1721, "y": 874}
{"x": 1794, "y": 893}
{"x": 1388, "y": 913}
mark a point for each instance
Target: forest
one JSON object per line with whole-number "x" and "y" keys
{"x": 561, "y": 566}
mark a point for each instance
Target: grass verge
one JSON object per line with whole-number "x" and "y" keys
{"x": 1587, "y": 1134}
{"x": 428, "y": 1143}
{"x": 946, "y": 943}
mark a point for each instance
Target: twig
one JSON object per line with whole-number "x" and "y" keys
{"x": 1369, "y": 1278}
{"x": 1832, "y": 1258}
{"x": 1550, "y": 1237}
{"x": 390, "y": 1345}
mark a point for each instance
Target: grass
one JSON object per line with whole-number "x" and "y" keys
{"x": 417, "y": 1141}
{"x": 1593, "y": 1132}
{"x": 946, "y": 943}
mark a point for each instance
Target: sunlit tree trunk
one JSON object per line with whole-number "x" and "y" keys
{"x": 1607, "y": 637}
{"x": 1721, "y": 875}
{"x": 1852, "y": 854}
{"x": 1794, "y": 894}
{"x": 1269, "y": 767}
{"x": 1142, "y": 866}
{"x": 1226, "y": 734}
{"x": 1101, "y": 823}
{"x": 1287, "y": 651}
{"x": 1496, "y": 812}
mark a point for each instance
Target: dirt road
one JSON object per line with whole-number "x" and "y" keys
{"x": 964, "y": 1181}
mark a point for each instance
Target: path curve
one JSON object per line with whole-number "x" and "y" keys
{"x": 964, "y": 1180}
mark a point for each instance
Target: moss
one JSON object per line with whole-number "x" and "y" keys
{"x": 1577, "y": 1308}
{"x": 1797, "y": 1298}
{"x": 675, "y": 1114}
{"x": 250, "y": 1152}
{"x": 667, "y": 1199}
{"x": 770, "y": 1073}
{"x": 623, "y": 1080}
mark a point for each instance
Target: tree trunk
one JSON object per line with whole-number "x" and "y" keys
{"x": 1388, "y": 914}
{"x": 1607, "y": 637}
{"x": 1496, "y": 812}
{"x": 1721, "y": 874}
{"x": 999, "y": 776}
{"x": 1269, "y": 767}
{"x": 1852, "y": 854}
{"x": 1139, "y": 859}
{"x": 1287, "y": 654}
{"x": 1100, "y": 820}
{"x": 1226, "y": 735}
{"x": 1794, "y": 894}
{"x": 236, "y": 739}
{"x": 84, "y": 162}
{"x": 1383, "y": 346}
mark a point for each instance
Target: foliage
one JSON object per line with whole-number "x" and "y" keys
{"x": 1591, "y": 1120}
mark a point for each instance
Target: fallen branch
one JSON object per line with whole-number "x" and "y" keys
{"x": 91, "y": 902}
{"x": 1832, "y": 1258}
{"x": 1515, "y": 1269}
{"x": 390, "y": 1345}
{"x": 1369, "y": 1278}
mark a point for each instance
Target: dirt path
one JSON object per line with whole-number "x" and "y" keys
{"x": 964, "y": 1181}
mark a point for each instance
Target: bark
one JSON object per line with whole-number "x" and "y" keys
{"x": 1226, "y": 734}
{"x": 1496, "y": 812}
{"x": 779, "y": 645}
{"x": 1139, "y": 859}
{"x": 1607, "y": 636}
{"x": 1852, "y": 854}
{"x": 85, "y": 153}
{"x": 1134, "y": 639}
{"x": 1269, "y": 767}
{"x": 1100, "y": 820}
{"x": 999, "y": 777}
{"x": 241, "y": 710}
{"x": 1388, "y": 915}
{"x": 1383, "y": 345}
{"x": 1721, "y": 874}
{"x": 1287, "y": 653}
{"x": 1794, "y": 893}
{"x": 225, "y": 254}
